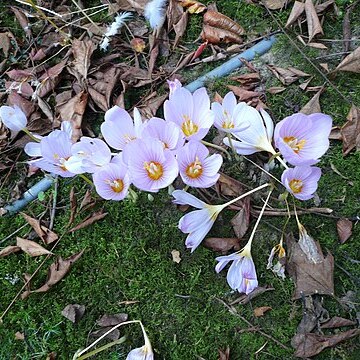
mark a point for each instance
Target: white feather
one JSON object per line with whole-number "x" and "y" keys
{"x": 114, "y": 28}
{"x": 155, "y": 13}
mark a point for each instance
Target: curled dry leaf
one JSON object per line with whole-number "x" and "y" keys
{"x": 90, "y": 220}
{"x": 19, "y": 336}
{"x": 245, "y": 299}
{"x": 276, "y": 90}
{"x": 274, "y": 4}
{"x": 296, "y": 11}
{"x": 216, "y": 36}
{"x": 31, "y": 247}
{"x": 351, "y": 62}
{"x": 57, "y": 271}
{"x": 73, "y": 312}
{"x": 11, "y": 249}
{"x": 242, "y": 93}
{"x": 112, "y": 320}
{"x": 138, "y": 45}
{"x": 313, "y": 22}
{"x": 350, "y": 131}
{"x": 240, "y": 222}
{"x": 222, "y": 245}
{"x": 50, "y": 78}
{"x": 287, "y": 76}
{"x": 224, "y": 354}
{"x": 228, "y": 186}
{"x": 313, "y": 106}
{"x": 260, "y": 311}
{"x": 193, "y": 6}
{"x": 45, "y": 234}
{"x": 337, "y": 322}
{"x": 176, "y": 256}
{"x": 5, "y": 43}
{"x": 221, "y": 21}
{"x": 82, "y": 51}
{"x": 344, "y": 229}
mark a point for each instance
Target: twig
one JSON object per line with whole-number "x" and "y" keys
{"x": 53, "y": 209}
{"x": 233, "y": 311}
{"x": 284, "y": 212}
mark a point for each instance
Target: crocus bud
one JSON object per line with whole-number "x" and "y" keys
{"x": 13, "y": 118}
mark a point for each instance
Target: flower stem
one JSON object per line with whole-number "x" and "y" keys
{"x": 281, "y": 161}
{"x": 216, "y": 147}
{"x": 86, "y": 179}
{"x": 246, "y": 194}
{"x": 31, "y": 136}
{"x": 232, "y": 146}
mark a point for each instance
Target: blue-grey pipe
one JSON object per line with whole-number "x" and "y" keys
{"x": 234, "y": 63}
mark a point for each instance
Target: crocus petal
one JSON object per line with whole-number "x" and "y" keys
{"x": 33, "y": 149}
{"x": 182, "y": 197}
{"x": 196, "y": 237}
{"x": 234, "y": 275}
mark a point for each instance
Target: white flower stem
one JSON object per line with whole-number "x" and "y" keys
{"x": 232, "y": 146}
{"x": 246, "y": 194}
{"x": 281, "y": 161}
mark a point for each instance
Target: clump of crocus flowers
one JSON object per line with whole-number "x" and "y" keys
{"x": 149, "y": 154}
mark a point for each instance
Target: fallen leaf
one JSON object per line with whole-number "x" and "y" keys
{"x": 194, "y": 7}
{"x": 31, "y": 247}
{"x": 82, "y": 51}
{"x": 50, "y": 78}
{"x": 19, "y": 336}
{"x": 138, "y": 45}
{"x": 322, "y": 7}
{"x": 180, "y": 28}
{"x": 325, "y": 66}
{"x": 296, "y": 11}
{"x": 51, "y": 356}
{"x": 45, "y": 234}
{"x": 215, "y": 35}
{"x": 337, "y": 322}
{"x": 317, "y": 45}
{"x": 73, "y": 312}
{"x": 347, "y": 30}
{"x": 11, "y": 249}
{"x": 87, "y": 200}
{"x": 176, "y": 256}
{"x": 260, "y": 311}
{"x": 113, "y": 335}
{"x": 313, "y": 22}
{"x": 276, "y": 90}
{"x": 112, "y": 320}
{"x": 308, "y": 345}
{"x": 222, "y": 245}
{"x": 313, "y": 105}
{"x": 22, "y": 19}
{"x": 245, "y": 299}
{"x": 241, "y": 221}
{"x": 344, "y": 229}
{"x": 242, "y": 93}
{"x": 5, "y": 43}
{"x": 310, "y": 277}
{"x": 287, "y": 76}
{"x": 90, "y": 220}
{"x": 274, "y": 4}
{"x": 351, "y": 62}
{"x": 224, "y": 354}
{"x": 150, "y": 105}
{"x": 57, "y": 271}
{"x": 228, "y": 186}
{"x": 350, "y": 131}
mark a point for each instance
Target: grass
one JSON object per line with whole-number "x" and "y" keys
{"x": 128, "y": 254}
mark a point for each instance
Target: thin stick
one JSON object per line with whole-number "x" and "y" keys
{"x": 53, "y": 209}
{"x": 263, "y": 170}
{"x": 233, "y": 311}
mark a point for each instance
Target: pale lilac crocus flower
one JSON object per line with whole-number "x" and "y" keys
{"x": 143, "y": 353}
{"x": 191, "y": 112}
{"x": 165, "y": 131}
{"x": 151, "y": 166}
{"x": 224, "y": 114}
{"x": 199, "y": 222}
{"x": 173, "y": 85}
{"x": 303, "y": 139}
{"x": 257, "y": 136}
{"x": 119, "y": 129}
{"x": 301, "y": 181}
{"x": 88, "y": 155}
{"x": 13, "y": 118}
{"x": 197, "y": 168}
{"x": 241, "y": 275}
{"x": 112, "y": 181}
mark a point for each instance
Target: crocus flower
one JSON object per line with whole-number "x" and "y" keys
{"x": 165, "y": 131}
{"x": 151, "y": 166}
{"x": 303, "y": 139}
{"x": 279, "y": 267}
{"x": 88, "y": 155}
{"x": 301, "y": 181}
{"x": 119, "y": 129}
{"x": 173, "y": 85}
{"x": 241, "y": 275}
{"x": 257, "y": 136}
{"x": 197, "y": 168}
{"x": 143, "y": 353}
{"x": 196, "y": 223}
{"x": 224, "y": 114}
{"x": 191, "y": 112}
{"x": 112, "y": 181}
{"x": 13, "y": 118}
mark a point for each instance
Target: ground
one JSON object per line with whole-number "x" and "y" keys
{"x": 127, "y": 255}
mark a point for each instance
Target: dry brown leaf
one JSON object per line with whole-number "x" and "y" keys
{"x": 228, "y": 186}
{"x": 347, "y": 30}
{"x": 5, "y": 43}
{"x": 224, "y": 354}
{"x": 296, "y": 11}
{"x": 351, "y": 62}
{"x": 113, "y": 335}
{"x": 325, "y": 66}
{"x": 11, "y": 249}
{"x": 274, "y": 4}
{"x": 90, "y": 220}
{"x": 344, "y": 229}
{"x": 19, "y": 336}
{"x": 138, "y": 45}
{"x": 350, "y": 131}
{"x": 112, "y": 320}
{"x": 176, "y": 256}
{"x": 222, "y": 245}
{"x": 337, "y": 322}
{"x": 180, "y": 28}
{"x": 308, "y": 345}
{"x": 245, "y": 299}
{"x": 22, "y": 19}
{"x": 322, "y": 7}
{"x": 215, "y": 35}
{"x": 73, "y": 312}
{"x": 174, "y": 12}
{"x": 260, "y": 311}
{"x": 241, "y": 221}
{"x": 309, "y": 277}
{"x": 276, "y": 90}
{"x": 82, "y": 51}
{"x": 194, "y": 7}
{"x": 313, "y": 22}
{"x": 317, "y": 45}
{"x": 50, "y": 78}
{"x": 45, "y": 234}
{"x": 242, "y": 93}
{"x": 221, "y": 21}
{"x": 31, "y": 247}
{"x": 73, "y": 110}
{"x": 151, "y": 104}
{"x": 57, "y": 271}
{"x": 287, "y": 76}
{"x": 313, "y": 106}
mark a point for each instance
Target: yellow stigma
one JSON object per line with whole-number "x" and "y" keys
{"x": 195, "y": 169}
{"x": 61, "y": 161}
{"x": 129, "y": 138}
{"x": 227, "y": 123}
{"x": 188, "y": 127}
{"x": 294, "y": 143}
{"x": 154, "y": 170}
{"x": 116, "y": 185}
{"x": 296, "y": 185}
